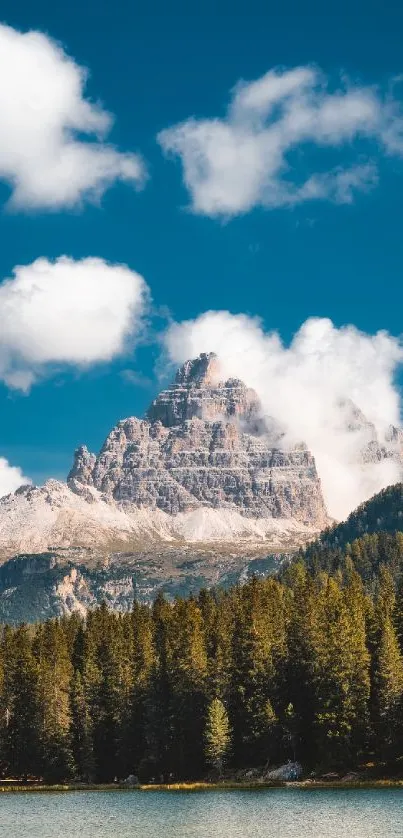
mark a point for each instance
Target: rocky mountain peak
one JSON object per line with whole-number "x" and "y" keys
{"x": 198, "y": 391}
{"x": 203, "y": 371}
{"x": 203, "y": 444}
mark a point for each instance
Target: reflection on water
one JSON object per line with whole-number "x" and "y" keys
{"x": 277, "y": 813}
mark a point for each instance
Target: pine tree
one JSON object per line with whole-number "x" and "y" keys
{"x": 218, "y": 617}
{"x": 388, "y": 691}
{"x": 54, "y": 678}
{"x": 341, "y": 676}
{"x": 259, "y": 649}
{"x": 81, "y": 731}
{"x": 398, "y": 612}
{"x": 133, "y": 746}
{"x": 303, "y": 640}
{"x": 106, "y": 713}
{"x": 188, "y": 672}
{"x": 308, "y": 667}
{"x": 21, "y": 747}
{"x": 159, "y": 722}
{"x": 217, "y": 735}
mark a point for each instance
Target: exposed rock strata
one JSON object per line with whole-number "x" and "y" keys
{"x": 203, "y": 443}
{"x": 34, "y": 520}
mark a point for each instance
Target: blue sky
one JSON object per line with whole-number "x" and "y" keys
{"x": 153, "y": 68}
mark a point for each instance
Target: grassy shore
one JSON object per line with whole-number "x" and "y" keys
{"x": 227, "y": 785}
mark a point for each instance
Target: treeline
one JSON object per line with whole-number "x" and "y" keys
{"x": 368, "y": 554}
{"x": 308, "y": 667}
{"x": 381, "y": 513}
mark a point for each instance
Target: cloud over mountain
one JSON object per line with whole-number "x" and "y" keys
{"x": 44, "y": 117}
{"x": 67, "y": 312}
{"x": 313, "y": 388}
{"x": 265, "y": 151}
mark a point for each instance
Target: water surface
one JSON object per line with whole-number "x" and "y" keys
{"x": 272, "y": 813}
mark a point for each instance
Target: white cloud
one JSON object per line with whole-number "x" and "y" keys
{"x": 233, "y": 164}
{"x": 67, "y": 312}
{"x": 311, "y": 388}
{"x": 11, "y": 477}
{"x": 43, "y": 118}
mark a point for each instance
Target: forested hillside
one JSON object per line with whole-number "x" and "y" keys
{"x": 383, "y": 512}
{"x": 309, "y": 667}
{"x": 371, "y": 536}
{"x": 367, "y": 554}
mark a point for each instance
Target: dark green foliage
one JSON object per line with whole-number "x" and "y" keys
{"x": 371, "y": 536}
{"x": 217, "y": 735}
{"x": 366, "y": 555}
{"x": 306, "y": 667}
{"x": 81, "y": 731}
{"x": 382, "y": 513}
{"x": 21, "y": 721}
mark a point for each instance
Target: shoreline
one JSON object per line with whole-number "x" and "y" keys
{"x": 9, "y": 787}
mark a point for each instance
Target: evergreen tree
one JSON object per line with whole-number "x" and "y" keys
{"x": 21, "y": 723}
{"x": 305, "y": 667}
{"x": 304, "y": 638}
{"x": 217, "y": 735}
{"x": 81, "y": 729}
{"x": 54, "y": 678}
{"x": 341, "y": 676}
{"x": 106, "y": 711}
{"x": 133, "y": 749}
{"x": 259, "y": 645}
{"x": 159, "y": 722}
{"x": 388, "y": 691}
{"x": 188, "y": 672}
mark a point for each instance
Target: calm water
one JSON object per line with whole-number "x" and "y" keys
{"x": 279, "y": 813}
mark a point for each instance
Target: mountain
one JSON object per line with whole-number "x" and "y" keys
{"x": 202, "y": 491}
{"x": 193, "y": 494}
{"x": 371, "y": 536}
{"x": 381, "y": 513}
{"x": 204, "y": 466}
{"x": 203, "y": 444}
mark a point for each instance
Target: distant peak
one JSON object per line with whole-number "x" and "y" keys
{"x": 204, "y": 370}
{"x": 201, "y": 391}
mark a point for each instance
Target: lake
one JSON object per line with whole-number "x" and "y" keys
{"x": 273, "y": 813}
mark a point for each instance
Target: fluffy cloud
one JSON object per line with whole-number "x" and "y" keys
{"x": 248, "y": 158}
{"x": 67, "y": 312}
{"x": 43, "y": 117}
{"x": 11, "y": 478}
{"x": 323, "y": 389}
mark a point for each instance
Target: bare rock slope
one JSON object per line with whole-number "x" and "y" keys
{"x": 203, "y": 444}
{"x": 204, "y": 467}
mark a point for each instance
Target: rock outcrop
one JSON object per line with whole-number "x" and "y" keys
{"x": 56, "y": 583}
{"x": 203, "y": 443}
{"x": 36, "y": 520}
{"x": 365, "y": 439}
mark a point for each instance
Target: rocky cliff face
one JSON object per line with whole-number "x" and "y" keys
{"x": 365, "y": 438}
{"x": 203, "y": 443}
{"x": 52, "y": 517}
{"x": 56, "y": 583}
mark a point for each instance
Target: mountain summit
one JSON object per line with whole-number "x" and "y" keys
{"x": 203, "y": 444}
{"x": 199, "y": 392}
